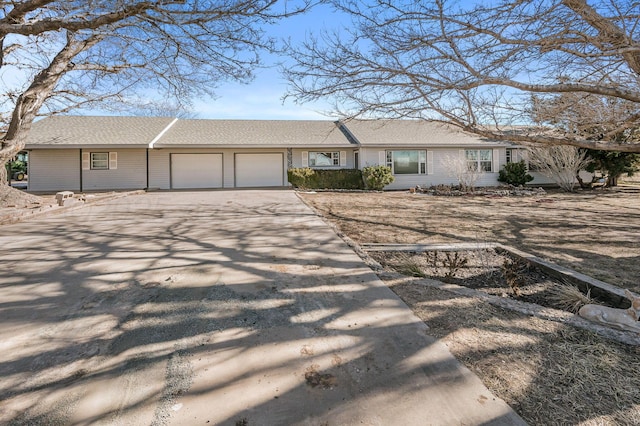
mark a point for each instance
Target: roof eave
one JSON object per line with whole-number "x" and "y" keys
{"x": 84, "y": 146}
{"x": 428, "y": 145}
{"x": 248, "y": 146}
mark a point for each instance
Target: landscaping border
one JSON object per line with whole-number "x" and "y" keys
{"x": 585, "y": 282}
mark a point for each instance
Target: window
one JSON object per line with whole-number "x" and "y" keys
{"x": 479, "y": 159}
{"x": 319, "y": 159}
{"x": 515, "y": 155}
{"x": 407, "y": 162}
{"x": 99, "y": 161}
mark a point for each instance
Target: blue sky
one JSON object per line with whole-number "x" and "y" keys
{"x": 262, "y": 98}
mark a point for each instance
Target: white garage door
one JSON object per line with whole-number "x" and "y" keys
{"x": 254, "y": 170}
{"x": 193, "y": 171}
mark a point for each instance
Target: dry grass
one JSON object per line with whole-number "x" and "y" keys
{"x": 550, "y": 373}
{"x": 593, "y": 232}
{"x": 409, "y": 267}
{"x": 570, "y": 298}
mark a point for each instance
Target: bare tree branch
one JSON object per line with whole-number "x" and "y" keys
{"x": 481, "y": 67}
{"x": 64, "y": 54}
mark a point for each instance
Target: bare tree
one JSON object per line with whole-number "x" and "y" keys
{"x": 57, "y": 55}
{"x": 587, "y": 115}
{"x": 466, "y": 172}
{"x": 482, "y": 67}
{"x": 560, "y": 163}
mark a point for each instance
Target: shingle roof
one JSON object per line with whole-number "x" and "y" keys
{"x": 96, "y": 131}
{"x": 78, "y": 131}
{"x": 253, "y": 133}
{"x": 412, "y": 133}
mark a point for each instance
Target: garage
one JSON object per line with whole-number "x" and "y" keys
{"x": 259, "y": 170}
{"x": 196, "y": 171}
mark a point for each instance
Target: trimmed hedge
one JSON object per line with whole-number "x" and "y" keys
{"x": 308, "y": 178}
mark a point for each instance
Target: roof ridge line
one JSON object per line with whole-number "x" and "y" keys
{"x": 159, "y": 135}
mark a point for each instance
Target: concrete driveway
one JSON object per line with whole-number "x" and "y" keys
{"x": 226, "y": 307}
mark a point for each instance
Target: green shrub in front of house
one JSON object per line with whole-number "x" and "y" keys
{"x": 515, "y": 174}
{"x": 377, "y": 177}
{"x": 308, "y": 178}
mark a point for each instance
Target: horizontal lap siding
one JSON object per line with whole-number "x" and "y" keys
{"x": 540, "y": 179}
{"x": 54, "y": 170}
{"x": 159, "y": 167}
{"x": 131, "y": 172}
{"x": 440, "y": 175}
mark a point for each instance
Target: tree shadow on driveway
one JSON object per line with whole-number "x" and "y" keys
{"x": 212, "y": 307}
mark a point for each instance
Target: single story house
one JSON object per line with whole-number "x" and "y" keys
{"x": 83, "y": 153}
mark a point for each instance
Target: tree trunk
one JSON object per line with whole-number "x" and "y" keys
{"x": 29, "y": 103}
{"x": 4, "y": 175}
{"x": 586, "y": 185}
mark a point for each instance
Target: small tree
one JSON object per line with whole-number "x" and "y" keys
{"x": 377, "y": 177}
{"x": 466, "y": 172}
{"x": 613, "y": 164}
{"x": 560, "y": 163}
{"x": 515, "y": 174}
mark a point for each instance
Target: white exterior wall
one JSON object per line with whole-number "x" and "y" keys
{"x": 540, "y": 179}
{"x": 160, "y": 170}
{"x": 297, "y": 157}
{"x": 54, "y": 170}
{"x": 439, "y": 175}
{"x": 131, "y": 171}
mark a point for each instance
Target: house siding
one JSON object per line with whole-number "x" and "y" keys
{"x": 131, "y": 172}
{"x": 540, "y": 179}
{"x": 160, "y": 167}
{"x": 54, "y": 170}
{"x": 439, "y": 176}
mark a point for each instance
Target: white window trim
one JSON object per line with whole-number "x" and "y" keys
{"x": 93, "y": 160}
{"x": 493, "y": 156}
{"x": 339, "y": 157}
{"x": 423, "y": 159}
{"x": 429, "y": 162}
{"x": 88, "y": 161}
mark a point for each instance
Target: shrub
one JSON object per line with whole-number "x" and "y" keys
{"x": 300, "y": 177}
{"x": 308, "y": 178}
{"x": 377, "y": 177}
{"x": 560, "y": 163}
{"x": 515, "y": 174}
{"x": 466, "y": 172}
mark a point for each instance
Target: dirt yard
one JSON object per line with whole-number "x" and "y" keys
{"x": 596, "y": 233}
{"x": 549, "y": 372}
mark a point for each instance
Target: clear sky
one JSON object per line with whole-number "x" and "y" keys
{"x": 262, "y": 98}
